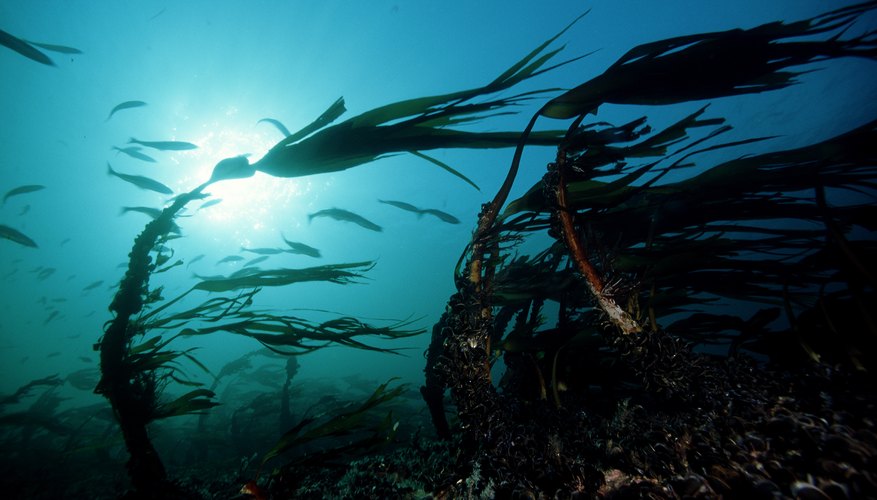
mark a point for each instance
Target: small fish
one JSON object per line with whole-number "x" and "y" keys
{"x": 85, "y": 359}
{"x": 195, "y": 259}
{"x": 45, "y": 273}
{"x": 140, "y": 181}
{"x": 253, "y": 262}
{"x": 64, "y": 242}
{"x": 16, "y": 236}
{"x": 404, "y": 206}
{"x": 53, "y": 354}
{"x": 24, "y": 48}
{"x": 25, "y": 209}
{"x": 50, "y": 317}
{"x": 282, "y": 128}
{"x": 230, "y": 258}
{"x": 210, "y": 203}
{"x": 93, "y": 285}
{"x": 444, "y": 216}
{"x": 262, "y": 251}
{"x": 134, "y": 152}
{"x": 30, "y": 188}
{"x": 164, "y": 145}
{"x": 125, "y": 105}
{"x": 347, "y": 216}
{"x": 301, "y": 249}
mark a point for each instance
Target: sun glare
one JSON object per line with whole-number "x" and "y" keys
{"x": 243, "y": 207}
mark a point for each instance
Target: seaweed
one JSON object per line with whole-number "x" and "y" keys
{"x": 135, "y": 374}
{"x": 635, "y": 251}
{"x": 632, "y": 264}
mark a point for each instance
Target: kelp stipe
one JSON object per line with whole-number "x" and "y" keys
{"x": 133, "y": 375}
{"x": 129, "y": 385}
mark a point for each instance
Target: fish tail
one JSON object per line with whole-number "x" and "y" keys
{"x": 311, "y": 217}
{"x": 132, "y": 141}
{"x": 110, "y": 170}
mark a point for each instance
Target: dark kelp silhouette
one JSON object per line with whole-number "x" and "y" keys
{"x": 629, "y": 252}
{"x": 29, "y": 49}
{"x": 411, "y": 126}
{"x": 133, "y": 374}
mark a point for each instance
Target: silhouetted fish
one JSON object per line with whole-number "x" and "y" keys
{"x": 230, "y": 258}
{"x": 24, "y": 48}
{"x": 125, "y": 105}
{"x": 262, "y": 251}
{"x": 16, "y": 236}
{"x": 93, "y": 285}
{"x": 347, "y": 216}
{"x": 165, "y": 145}
{"x": 50, "y": 317}
{"x": 195, "y": 259}
{"x": 210, "y": 203}
{"x": 401, "y": 204}
{"x": 141, "y": 182}
{"x": 444, "y": 216}
{"x": 134, "y": 152}
{"x": 301, "y": 249}
{"x": 29, "y": 188}
{"x": 282, "y": 128}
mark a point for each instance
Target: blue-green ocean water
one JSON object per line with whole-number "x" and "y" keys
{"x": 210, "y": 70}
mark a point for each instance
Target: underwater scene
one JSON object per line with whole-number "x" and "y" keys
{"x": 561, "y": 249}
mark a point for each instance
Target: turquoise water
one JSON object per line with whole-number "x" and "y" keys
{"x": 209, "y": 71}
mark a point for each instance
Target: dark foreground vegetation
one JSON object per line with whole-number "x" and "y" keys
{"x": 620, "y": 379}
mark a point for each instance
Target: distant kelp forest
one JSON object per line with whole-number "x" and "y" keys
{"x": 630, "y": 271}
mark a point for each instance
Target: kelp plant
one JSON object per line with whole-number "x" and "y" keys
{"x": 629, "y": 241}
{"x": 133, "y": 374}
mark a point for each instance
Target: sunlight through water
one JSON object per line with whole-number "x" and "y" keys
{"x": 239, "y": 209}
